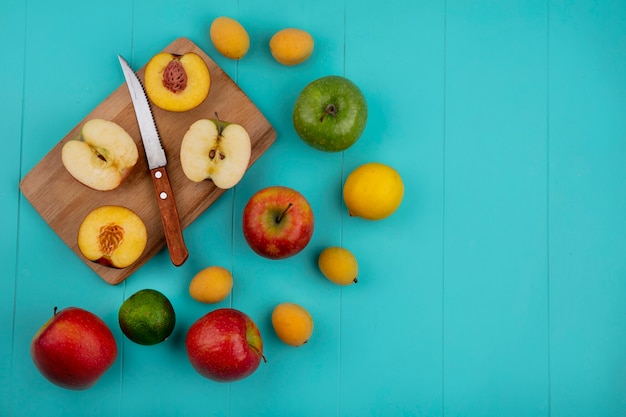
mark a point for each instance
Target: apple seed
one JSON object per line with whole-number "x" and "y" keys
{"x": 110, "y": 238}
{"x": 213, "y": 152}
{"x": 174, "y": 76}
{"x": 102, "y": 154}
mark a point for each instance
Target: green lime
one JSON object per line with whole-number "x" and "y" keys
{"x": 147, "y": 317}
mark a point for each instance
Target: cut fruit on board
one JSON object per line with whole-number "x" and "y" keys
{"x": 63, "y": 202}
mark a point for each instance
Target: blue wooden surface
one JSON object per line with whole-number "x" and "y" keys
{"x": 497, "y": 289}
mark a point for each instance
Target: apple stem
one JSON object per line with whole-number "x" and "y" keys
{"x": 355, "y": 280}
{"x": 54, "y": 311}
{"x": 280, "y": 217}
{"x": 258, "y": 352}
{"x": 330, "y": 109}
{"x": 219, "y": 125}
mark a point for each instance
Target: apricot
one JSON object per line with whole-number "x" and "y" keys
{"x": 291, "y": 46}
{"x": 229, "y": 37}
{"x": 292, "y": 323}
{"x": 211, "y": 285}
{"x": 177, "y": 83}
{"x": 112, "y": 236}
{"x": 338, "y": 265}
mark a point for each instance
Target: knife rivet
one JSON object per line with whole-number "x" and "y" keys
{"x": 158, "y": 174}
{"x": 163, "y": 195}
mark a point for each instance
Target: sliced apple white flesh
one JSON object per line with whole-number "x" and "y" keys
{"x": 215, "y": 150}
{"x": 102, "y": 157}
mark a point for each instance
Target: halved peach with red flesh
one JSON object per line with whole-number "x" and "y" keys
{"x": 177, "y": 82}
{"x": 113, "y": 236}
{"x": 102, "y": 156}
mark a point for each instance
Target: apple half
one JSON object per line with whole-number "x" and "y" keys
{"x": 102, "y": 156}
{"x": 113, "y": 236}
{"x": 216, "y": 150}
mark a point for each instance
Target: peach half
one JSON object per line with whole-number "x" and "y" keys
{"x": 177, "y": 83}
{"x": 102, "y": 156}
{"x": 112, "y": 236}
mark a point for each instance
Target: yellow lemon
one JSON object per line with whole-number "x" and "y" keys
{"x": 291, "y": 46}
{"x": 339, "y": 265}
{"x": 211, "y": 285}
{"x": 229, "y": 37}
{"x": 373, "y": 191}
{"x": 292, "y": 323}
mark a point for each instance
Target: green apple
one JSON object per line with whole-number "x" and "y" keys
{"x": 330, "y": 113}
{"x": 216, "y": 150}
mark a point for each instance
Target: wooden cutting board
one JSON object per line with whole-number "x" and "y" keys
{"x": 63, "y": 202}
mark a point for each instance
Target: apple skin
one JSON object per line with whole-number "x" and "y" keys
{"x": 278, "y": 222}
{"x": 330, "y": 113}
{"x": 224, "y": 345}
{"x": 73, "y": 349}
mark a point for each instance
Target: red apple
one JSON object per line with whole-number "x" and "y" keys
{"x": 224, "y": 345}
{"x": 277, "y": 222}
{"x": 73, "y": 349}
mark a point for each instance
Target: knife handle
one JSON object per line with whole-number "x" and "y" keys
{"x": 169, "y": 216}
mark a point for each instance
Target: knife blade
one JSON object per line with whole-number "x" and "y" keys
{"x": 157, "y": 161}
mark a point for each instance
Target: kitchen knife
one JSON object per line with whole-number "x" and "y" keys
{"x": 156, "y": 163}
